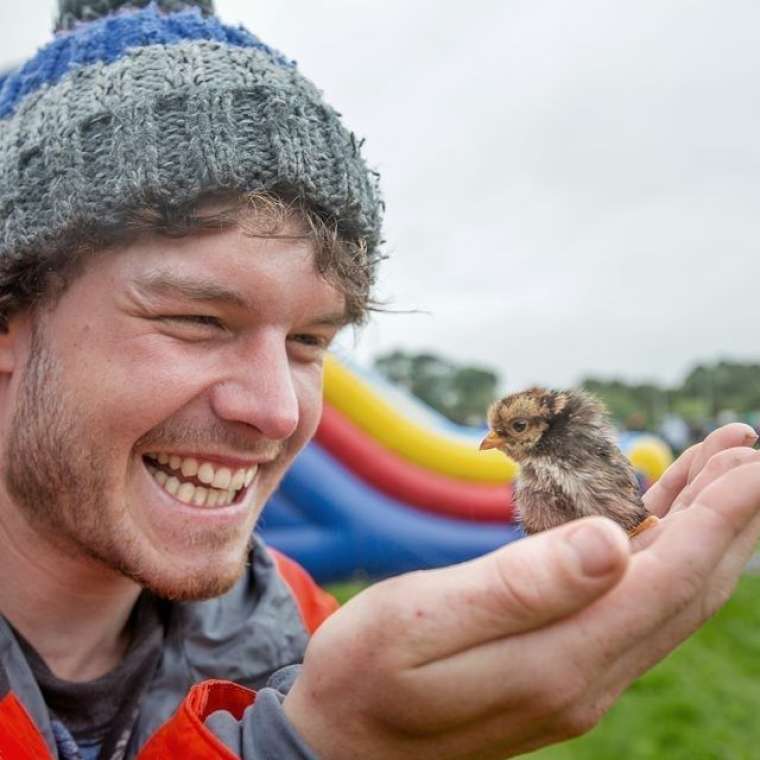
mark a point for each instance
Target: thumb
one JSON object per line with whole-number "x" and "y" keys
{"x": 521, "y": 587}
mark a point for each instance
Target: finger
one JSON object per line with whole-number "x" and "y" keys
{"x": 726, "y": 437}
{"x": 719, "y": 464}
{"x": 521, "y": 587}
{"x": 661, "y": 494}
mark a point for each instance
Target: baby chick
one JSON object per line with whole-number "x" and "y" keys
{"x": 570, "y": 466}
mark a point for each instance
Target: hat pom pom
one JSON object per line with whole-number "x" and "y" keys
{"x": 73, "y": 11}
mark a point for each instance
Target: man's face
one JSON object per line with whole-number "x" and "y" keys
{"x": 157, "y": 405}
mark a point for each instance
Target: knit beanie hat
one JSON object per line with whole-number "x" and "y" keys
{"x": 139, "y": 104}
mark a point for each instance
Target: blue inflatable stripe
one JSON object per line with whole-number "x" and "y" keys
{"x": 108, "y": 39}
{"x": 280, "y": 514}
{"x": 348, "y": 528}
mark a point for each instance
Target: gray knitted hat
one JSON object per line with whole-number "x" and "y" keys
{"x": 136, "y": 104}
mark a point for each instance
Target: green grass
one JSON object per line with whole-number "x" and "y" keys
{"x": 701, "y": 703}
{"x": 344, "y": 591}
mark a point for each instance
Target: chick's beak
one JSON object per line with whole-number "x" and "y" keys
{"x": 491, "y": 441}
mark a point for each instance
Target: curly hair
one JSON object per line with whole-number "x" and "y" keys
{"x": 344, "y": 262}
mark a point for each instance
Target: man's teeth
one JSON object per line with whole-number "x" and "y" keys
{"x": 223, "y": 483}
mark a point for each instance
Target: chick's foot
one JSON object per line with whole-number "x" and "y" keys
{"x": 645, "y": 524}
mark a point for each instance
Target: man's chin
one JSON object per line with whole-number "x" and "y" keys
{"x": 188, "y": 582}
{"x": 192, "y": 588}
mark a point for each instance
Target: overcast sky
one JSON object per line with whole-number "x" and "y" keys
{"x": 571, "y": 188}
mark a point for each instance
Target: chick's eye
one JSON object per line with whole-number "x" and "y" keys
{"x": 520, "y": 426}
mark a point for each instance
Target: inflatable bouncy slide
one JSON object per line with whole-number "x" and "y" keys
{"x": 389, "y": 485}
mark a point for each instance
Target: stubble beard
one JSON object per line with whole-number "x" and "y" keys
{"x": 55, "y": 471}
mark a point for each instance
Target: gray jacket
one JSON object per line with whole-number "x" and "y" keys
{"x": 253, "y": 635}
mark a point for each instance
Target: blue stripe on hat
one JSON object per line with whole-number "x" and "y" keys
{"x": 3, "y": 76}
{"x": 108, "y": 39}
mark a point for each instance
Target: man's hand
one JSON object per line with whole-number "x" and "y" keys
{"x": 533, "y": 643}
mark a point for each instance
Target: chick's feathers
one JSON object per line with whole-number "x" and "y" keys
{"x": 570, "y": 464}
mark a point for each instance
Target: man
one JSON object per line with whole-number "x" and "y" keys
{"x": 186, "y": 225}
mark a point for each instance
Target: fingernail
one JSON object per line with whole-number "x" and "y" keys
{"x": 594, "y": 548}
{"x": 751, "y": 435}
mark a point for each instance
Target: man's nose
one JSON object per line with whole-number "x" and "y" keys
{"x": 259, "y": 390}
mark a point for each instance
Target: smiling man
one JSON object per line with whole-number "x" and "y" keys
{"x": 185, "y": 227}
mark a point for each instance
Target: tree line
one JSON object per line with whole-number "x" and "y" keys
{"x": 463, "y": 392}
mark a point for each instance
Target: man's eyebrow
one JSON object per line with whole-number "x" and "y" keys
{"x": 336, "y": 319}
{"x": 175, "y": 284}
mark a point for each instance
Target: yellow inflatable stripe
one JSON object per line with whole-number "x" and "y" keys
{"x": 356, "y": 399}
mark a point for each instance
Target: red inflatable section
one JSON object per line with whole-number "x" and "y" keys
{"x": 406, "y": 482}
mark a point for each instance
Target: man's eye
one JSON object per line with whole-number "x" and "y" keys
{"x": 317, "y": 341}
{"x": 203, "y": 320}
{"x": 310, "y": 345}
